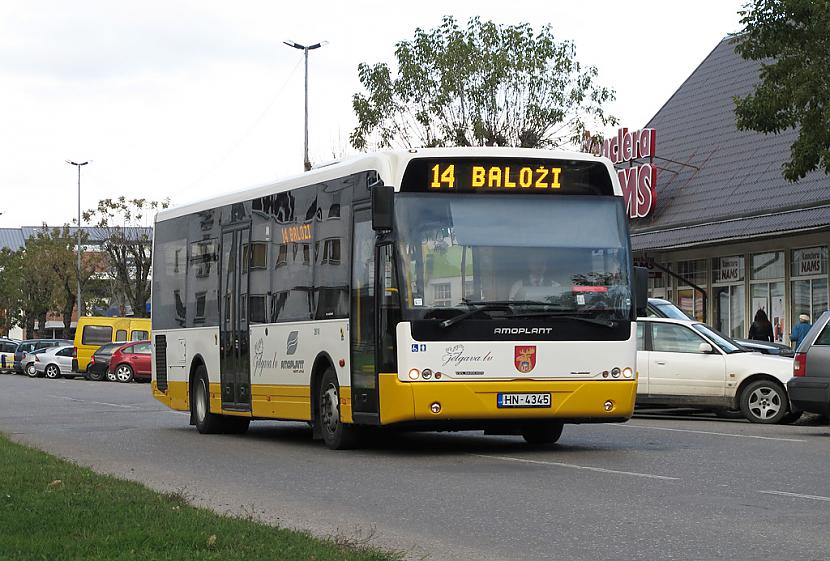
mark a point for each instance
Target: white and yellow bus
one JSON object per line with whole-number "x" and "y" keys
{"x": 433, "y": 289}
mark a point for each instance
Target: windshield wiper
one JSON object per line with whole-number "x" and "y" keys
{"x": 485, "y": 308}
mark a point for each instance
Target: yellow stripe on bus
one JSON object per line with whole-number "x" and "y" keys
{"x": 268, "y": 401}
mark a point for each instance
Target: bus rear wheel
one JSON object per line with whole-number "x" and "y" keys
{"x": 336, "y": 434}
{"x": 543, "y": 432}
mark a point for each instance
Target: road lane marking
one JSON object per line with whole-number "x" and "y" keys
{"x": 95, "y": 402}
{"x": 575, "y": 466}
{"x": 796, "y": 495}
{"x": 708, "y": 432}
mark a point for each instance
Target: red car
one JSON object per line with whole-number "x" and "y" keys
{"x": 130, "y": 361}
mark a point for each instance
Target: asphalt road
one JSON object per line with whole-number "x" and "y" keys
{"x": 656, "y": 488}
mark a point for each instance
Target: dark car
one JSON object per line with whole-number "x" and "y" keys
{"x": 657, "y": 307}
{"x": 29, "y": 345}
{"x": 130, "y": 362}
{"x": 809, "y": 388}
{"x": 100, "y": 362}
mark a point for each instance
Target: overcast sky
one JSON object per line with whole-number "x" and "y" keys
{"x": 189, "y": 99}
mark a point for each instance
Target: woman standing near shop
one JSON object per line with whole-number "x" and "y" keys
{"x": 761, "y": 328}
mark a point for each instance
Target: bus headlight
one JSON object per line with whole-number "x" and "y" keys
{"x": 426, "y": 373}
{"x": 615, "y": 372}
{"x": 413, "y": 374}
{"x": 628, "y": 373}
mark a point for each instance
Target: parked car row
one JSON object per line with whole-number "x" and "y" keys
{"x": 54, "y": 358}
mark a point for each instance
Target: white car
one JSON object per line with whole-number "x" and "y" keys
{"x": 688, "y": 364}
{"x": 55, "y": 362}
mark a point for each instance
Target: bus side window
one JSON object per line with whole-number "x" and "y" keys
{"x": 389, "y": 309}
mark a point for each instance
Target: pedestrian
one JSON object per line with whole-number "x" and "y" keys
{"x": 761, "y": 328}
{"x": 800, "y": 330}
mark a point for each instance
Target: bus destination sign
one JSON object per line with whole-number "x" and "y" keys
{"x": 506, "y": 175}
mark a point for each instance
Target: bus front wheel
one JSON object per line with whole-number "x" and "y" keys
{"x": 207, "y": 422}
{"x": 543, "y": 432}
{"x": 336, "y": 434}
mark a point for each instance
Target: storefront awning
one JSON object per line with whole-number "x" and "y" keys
{"x": 760, "y": 226}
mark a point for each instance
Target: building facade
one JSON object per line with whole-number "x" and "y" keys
{"x": 114, "y": 304}
{"x": 728, "y": 235}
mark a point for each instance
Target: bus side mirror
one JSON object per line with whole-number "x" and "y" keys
{"x": 383, "y": 207}
{"x": 641, "y": 291}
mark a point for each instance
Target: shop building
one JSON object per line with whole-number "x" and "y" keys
{"x": 726, "y": 234}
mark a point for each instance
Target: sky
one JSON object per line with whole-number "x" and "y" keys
{"x": 187, "y": 99}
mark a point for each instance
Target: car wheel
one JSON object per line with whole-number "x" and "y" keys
{"x": 336, "y": 434}
{"x": 111, "y": 376}
{"x": 124, "y": 373}
{"x": 764, "y": 401}
{"x": 52, "y": 371}
{"x": 542, "y": 433}
{"x": 31, "y": 371}
{"x": 94, "y": 375}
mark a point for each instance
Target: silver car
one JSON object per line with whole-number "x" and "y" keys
{"x": 55, "y": 362}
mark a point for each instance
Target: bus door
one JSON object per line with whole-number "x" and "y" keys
{"x": 362, "y": 317}
{"x": 375, "y": 313}
{"x": 234, "y": 351}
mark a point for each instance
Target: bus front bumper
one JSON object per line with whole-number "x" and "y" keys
{"x": 575, "y": 401}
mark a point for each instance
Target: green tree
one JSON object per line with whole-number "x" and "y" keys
{"x": 488, "y": 84}
{"x": 36, "y": 286}
{"x": 11, "y": 271}
{"x": 791, "y": 38}
{"x": 128, "y": 244}
{"x": 60, "y": 244}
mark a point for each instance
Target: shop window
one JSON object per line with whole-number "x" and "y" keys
{"x": 729, "y": 295}
{"x": 729, "y": 309}
{"x": 810, "y": 261}
{"x": 688, "y": 299}
{"x": 766, "y": 275}
{"x": 764, "y": 266}
{"x": 728, "y": 269}
{"x": 692, "y": 271}
{"x": 809, "y": 283}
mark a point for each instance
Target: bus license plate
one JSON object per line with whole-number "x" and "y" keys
{"x": 523, "y": 400}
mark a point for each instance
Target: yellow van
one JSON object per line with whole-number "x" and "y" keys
{"x": 92, "y": 332}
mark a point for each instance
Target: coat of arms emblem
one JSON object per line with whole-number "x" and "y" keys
{"x": 525, "y": 358}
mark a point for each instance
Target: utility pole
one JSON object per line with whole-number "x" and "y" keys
{"x": 80, "y": 300}
{"x": 305, "y": 50}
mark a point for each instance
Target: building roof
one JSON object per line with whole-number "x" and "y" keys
{"x": 11, "y": 238}
{"x": 730, "y": 184}
{"x": 15, "y": 238}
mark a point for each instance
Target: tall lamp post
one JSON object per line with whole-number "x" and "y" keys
{"x": 80, "y": 300}
{"x": 305, "y": 50}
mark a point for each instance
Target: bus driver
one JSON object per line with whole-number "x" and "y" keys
{"x": 538, "y": 284}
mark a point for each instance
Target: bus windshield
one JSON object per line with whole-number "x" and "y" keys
{"x": 525, "y": 254}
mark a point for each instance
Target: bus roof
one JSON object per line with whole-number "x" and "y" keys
{"x": 390, "y": 165}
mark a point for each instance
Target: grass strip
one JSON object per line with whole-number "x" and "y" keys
{"x": 52, "y": 509}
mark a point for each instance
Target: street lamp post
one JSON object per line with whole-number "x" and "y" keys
{"x": 305, "y": 50}
{"x": 80, "y": 300}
